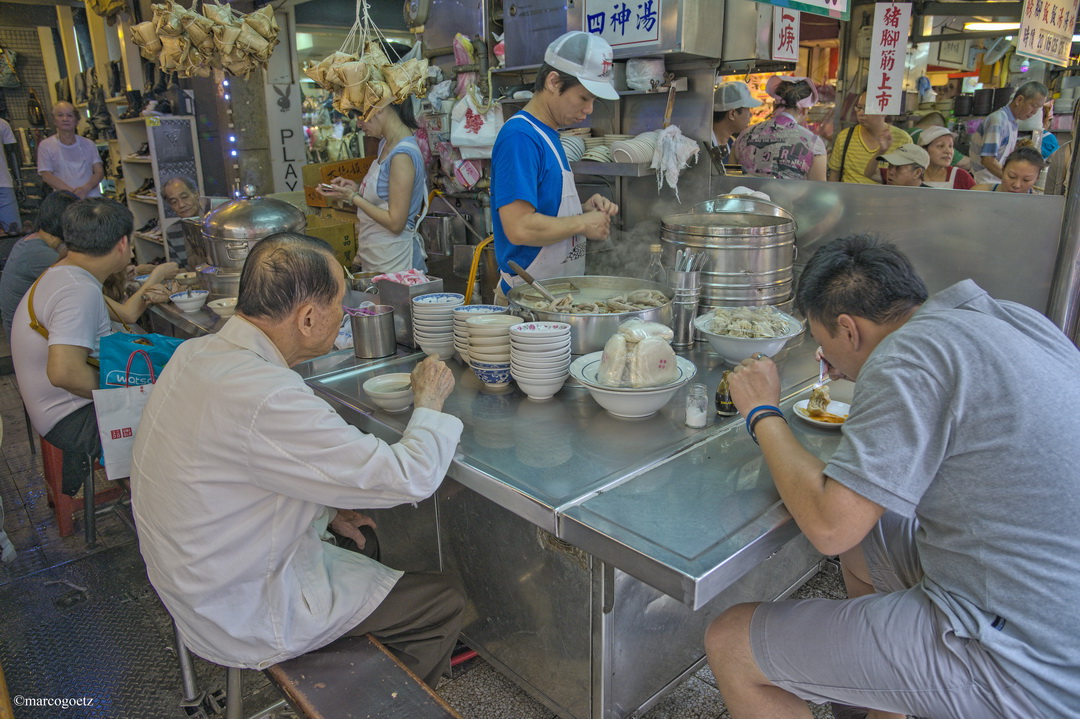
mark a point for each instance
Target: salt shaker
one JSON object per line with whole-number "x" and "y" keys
{"x": 697, "y": 405}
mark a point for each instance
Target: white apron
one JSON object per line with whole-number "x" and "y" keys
{"x": 565, "y": 258}
{"x": 377, "y": 248}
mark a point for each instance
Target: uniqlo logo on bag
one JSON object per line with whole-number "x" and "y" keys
{"x": 120, "y": 433}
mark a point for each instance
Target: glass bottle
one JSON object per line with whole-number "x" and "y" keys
{"x": 724, "y": 406}
{"x": 654, "y": 271}
{"x": 697, "y": 406}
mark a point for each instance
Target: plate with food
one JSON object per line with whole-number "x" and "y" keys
{"x": 821, "y": 410}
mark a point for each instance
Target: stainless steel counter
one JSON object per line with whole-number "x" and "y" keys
{"x": 167, "y": 319}
{"x": 593, "y": 550}
{"x": 687, "y": 511}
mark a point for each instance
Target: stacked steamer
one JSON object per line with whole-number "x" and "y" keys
{"x": 461, "y": 329}
{"x": 433, "y": 322}
{"x": 540, "y": 357}
{"x": 489, "y": 348}
{"x": 750, "y": 246}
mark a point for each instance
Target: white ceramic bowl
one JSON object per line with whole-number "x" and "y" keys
{"x": 498, "y": 357}
{"x": 225, "y": 307}
{"x": 545, "y": 353}
{"x": 189, "y": 300}
{"x": 451, "y": 299}
{"x": 468, "y": 310}
{"x": 540, "y": 341}
{"x": 547, "y": 330}
{"x": 433, "y": 336}
{"x": 490, "y": 342}
{"x": 736, "y": 349}
{"x": 490, "y": 323}
{"x": 392, "y": 392}
{"x": 442, "y": 351}
{"x": 634, "y": 404}
{"x": 534, "y": 373}
{"x": 562, "y": 363}
{"x": 539, "y": 389}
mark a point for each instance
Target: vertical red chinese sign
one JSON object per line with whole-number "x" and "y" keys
{"x": 884, "y": 89}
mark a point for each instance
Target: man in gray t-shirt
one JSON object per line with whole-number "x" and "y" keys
{"x": 952, "y": 500}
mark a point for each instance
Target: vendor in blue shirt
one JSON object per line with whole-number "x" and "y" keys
{"x": 540, "y": 222}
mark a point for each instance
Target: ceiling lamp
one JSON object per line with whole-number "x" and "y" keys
{"x": 989, "y": 26}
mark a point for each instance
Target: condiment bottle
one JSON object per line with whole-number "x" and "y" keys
{"x": 654, "y": 271}
{"x": 697, "y": 404}
{"x": 724, "y": 406}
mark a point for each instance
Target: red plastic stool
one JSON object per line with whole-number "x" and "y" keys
{"x": 65, "y": 506}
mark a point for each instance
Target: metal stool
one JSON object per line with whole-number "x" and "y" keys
{"x": 201, "y": 705}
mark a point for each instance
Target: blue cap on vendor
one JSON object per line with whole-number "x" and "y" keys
{"x": 539, "y": 220}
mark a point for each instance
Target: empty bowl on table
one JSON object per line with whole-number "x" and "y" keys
{"x": 539, "y": 389}
{"x": 736, "y": 349}
{"x": 392, "y": 392}
{"x": 225, "y": 307}
{"x": 189, "y": 300}
{"x": 141, "y": 279}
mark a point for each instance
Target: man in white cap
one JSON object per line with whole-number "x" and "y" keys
{"x": 731, "y": 115}
{"x": 907, "y": 165}
{"x": 540, "y": 222}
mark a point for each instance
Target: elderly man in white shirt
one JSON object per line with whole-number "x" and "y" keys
{"x": 236, "y": 468}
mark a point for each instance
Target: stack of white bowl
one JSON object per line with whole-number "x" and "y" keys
{"x": 433, "y": 322}
{"x": 489, "y": 347}
{"x": 636, "y": 150}
{"x": 461, "y": 330}
{"x": 540, "y": 357}
{"x": 573, "y": 146}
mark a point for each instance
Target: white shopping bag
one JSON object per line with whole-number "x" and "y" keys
{"x": 119, "y": 410}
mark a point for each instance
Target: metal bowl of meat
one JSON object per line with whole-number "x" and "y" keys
{"x": 593, "y": 306}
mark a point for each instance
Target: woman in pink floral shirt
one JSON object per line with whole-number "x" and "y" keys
{"x": 781, "y": 147}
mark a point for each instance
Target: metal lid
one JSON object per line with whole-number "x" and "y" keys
{"x": 253, "y": 219}
{"x": 726, "y": 223}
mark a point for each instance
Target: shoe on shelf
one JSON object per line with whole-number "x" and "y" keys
{"x": 143, "y": 151}
{"x": 149, "y": 225}
{"x": 146, "y": 185}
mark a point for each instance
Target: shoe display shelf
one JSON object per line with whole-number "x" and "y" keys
{"x": 153, "y": 150}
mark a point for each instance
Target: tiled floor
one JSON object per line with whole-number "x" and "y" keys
{"x": 476, "y": 690}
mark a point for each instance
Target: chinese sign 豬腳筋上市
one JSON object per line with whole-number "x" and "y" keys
{"x": 622, "y": 23}
{"x": 1046, "y": 29}
{"x": 785, "y": 34}
{"x": 884, "y": 89}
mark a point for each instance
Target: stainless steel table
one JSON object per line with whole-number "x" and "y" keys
{"x": 593, "y": 550}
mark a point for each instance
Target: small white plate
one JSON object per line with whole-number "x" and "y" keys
{"x": 841, "y": 409}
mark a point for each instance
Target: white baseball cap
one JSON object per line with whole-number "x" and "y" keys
{"x": 732, "y": 95}
{"x": 907, "y": 155}
{"x": 932, "y": 133}
{"x": 588, "y": 58}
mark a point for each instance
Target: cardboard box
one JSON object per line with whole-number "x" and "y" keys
{"x": 317, "y": 173}
{"x": 340, "y": 235}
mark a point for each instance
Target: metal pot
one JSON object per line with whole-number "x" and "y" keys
{"x": 233, "y": 229}
{"x": 751, "y": 249}
{"x": 218, "y": 283}
{"x": 441, "y": 231}
{"x": 589, "y": 333}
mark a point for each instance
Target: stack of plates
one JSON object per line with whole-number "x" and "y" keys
{"x": 461, "y": 332}
{"x": 540, "y": 357}
{"x": 636, "y": 150}
{"x": 598, "y": 153}
{"x": 573, "y": 146}
{"x": 433, "y": 322}
{"x": 489, "y": 347}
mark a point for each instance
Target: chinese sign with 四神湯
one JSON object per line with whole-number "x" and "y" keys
{"x": 624, "y": 23}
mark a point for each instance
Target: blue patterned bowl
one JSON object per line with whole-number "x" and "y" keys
{"x": 493, "y": 374}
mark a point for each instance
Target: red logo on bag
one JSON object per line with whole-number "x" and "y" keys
{"x": 127, "y": 431}
{"x": 115, "y": 434}
{"x": 473, "y": 121}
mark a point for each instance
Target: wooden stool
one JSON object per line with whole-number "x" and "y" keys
{"x": 64, "y": 506}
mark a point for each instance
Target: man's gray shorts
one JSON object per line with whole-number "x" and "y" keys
{"x": 892, "y": 651}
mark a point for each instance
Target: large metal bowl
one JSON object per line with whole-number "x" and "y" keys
{"x": 590, "y": 332}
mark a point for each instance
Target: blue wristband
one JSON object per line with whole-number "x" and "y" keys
{"x": 760, "y": 416}
{"x": 755, "y": 410}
